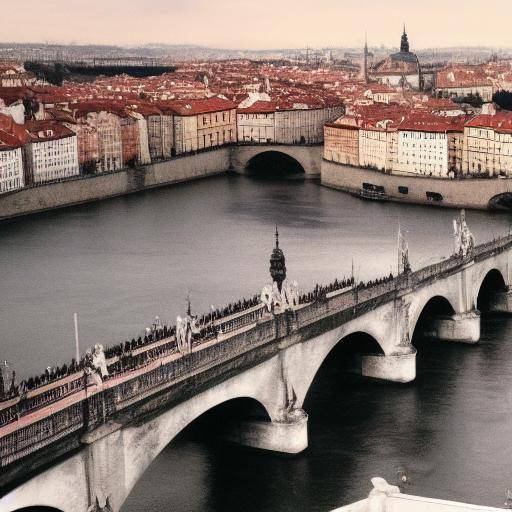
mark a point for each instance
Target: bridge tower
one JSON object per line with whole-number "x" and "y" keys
{"x": 278, "y": 264}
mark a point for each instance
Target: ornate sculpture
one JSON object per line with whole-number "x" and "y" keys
{"x": 95, "y": 365}
{"x": 96, "y": 507}
{"x": 287, "y": 298}
{"x": 404, "y": 267}
{"x": 464, "y": 239}
{"x": 290, "y": 294}
{"x": 185, "y": 329}
{"x": 402, "y": 318}
{"x": 277, "y": 264}
{"x": 271, "y": 297}
{"x": 99, "y": 360}
{"x": 288, "y": 413}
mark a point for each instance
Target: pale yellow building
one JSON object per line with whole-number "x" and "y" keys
{"x": 488, "y": 145}
{"x": 378, "y": 147}
{"x": 203, "y": 123}
{"x": 341, "y": 143}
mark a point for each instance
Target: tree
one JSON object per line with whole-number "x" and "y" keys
{"x": 503, "y": 99}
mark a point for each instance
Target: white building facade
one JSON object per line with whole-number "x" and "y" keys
{"x": 11, "y": 168}
{"x": 378, "y": 148}
{"x": 51, "y": 156}
{"x": 253, "y": 126}
{"x": 423, "y": 152}
{"x": 304, "y": 125}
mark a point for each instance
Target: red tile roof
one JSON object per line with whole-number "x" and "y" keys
{"x": 423, "y": 122}
{"x": 258, "y": 107}
{"x": 41, "y": 131}
{"x": 8, "y": 141}
{"x": 194, "y": 107}
{"x": 500, "y": 122}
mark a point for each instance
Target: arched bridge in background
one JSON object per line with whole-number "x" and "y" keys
{"x": 277, "y": 160}
{"x": 85, "y": 451}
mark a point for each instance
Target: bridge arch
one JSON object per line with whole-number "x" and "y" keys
{"x": 217, "y": 421}
{"x": 347, "y": 353}
{"x": 111, "y": 466}
{"x": 37, "y": 508}
{"x": 437, "y": 305}
{"x": 305, "y": 360}
{"x": 274, "y": 164}
{"x": 307, "y": 158}
{"x": 489, "y": 285}
{"x": 501, "y": 201}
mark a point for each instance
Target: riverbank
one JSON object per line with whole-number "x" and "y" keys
{"x": 102, "y": 186}
{"x": 472, "y": 193}
{"x": 84, "y": 189}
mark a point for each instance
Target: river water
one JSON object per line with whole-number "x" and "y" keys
{"x": 120, "y": 262}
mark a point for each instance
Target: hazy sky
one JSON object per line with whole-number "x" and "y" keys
{"x": 259, "y": 23}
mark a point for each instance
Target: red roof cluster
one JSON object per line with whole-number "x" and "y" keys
{"x": 192, "y": 107}
{"x": 500, "y": 122}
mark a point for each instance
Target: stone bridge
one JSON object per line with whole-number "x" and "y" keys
{"x": 86, "y": 449}
{"x": 299, "y": 158}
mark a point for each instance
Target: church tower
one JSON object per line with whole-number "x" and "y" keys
{"x": 404, "y": 42}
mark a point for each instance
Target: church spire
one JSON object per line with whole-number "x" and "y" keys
{"x": 404, "y": 42}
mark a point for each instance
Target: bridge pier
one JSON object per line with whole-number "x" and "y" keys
{"x": 392, "y": 367}
{"x": 287, "y": 436}
{"x": 500, "y": 302}
{"x": 460, "y": 327}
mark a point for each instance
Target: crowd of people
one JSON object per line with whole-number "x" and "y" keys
{"x": 121, "y": 357}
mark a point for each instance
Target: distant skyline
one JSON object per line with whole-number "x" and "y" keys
{"x": 260, "y": 24}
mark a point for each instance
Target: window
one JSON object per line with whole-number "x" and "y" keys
{"x": 403, "y": 190}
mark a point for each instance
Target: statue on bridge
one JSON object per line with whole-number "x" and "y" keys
{"x": 404, "y": 267}
{"x": 96, "y": 364}
{"x": 185, "y": 329}
{"x": 464, "y": 239}
{"x": 287, "y": 298}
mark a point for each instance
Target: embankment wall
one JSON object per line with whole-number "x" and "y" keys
{"x": 477, "y": 193}
{"x": 93, "y": 188}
